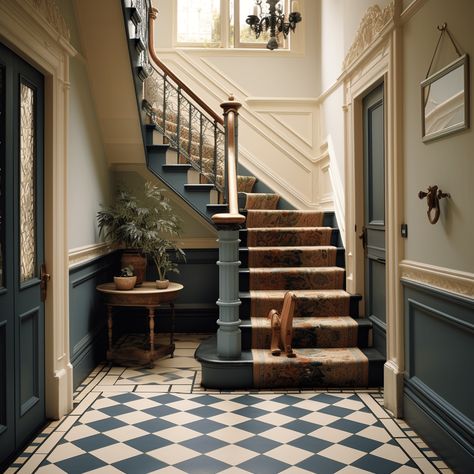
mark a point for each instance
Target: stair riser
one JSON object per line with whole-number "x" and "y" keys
{"x": 262, "y": 258}
{"x": 312, "y": 279}
{"x": 269, "y": 201}
{"x": 310, "y": 370}
{"x": 258, "y": 219}
{"x": 289, "y": 239}
{"x": 287, "y": 259}
{"x": 309, "y": 337}
{"x": 305, "y": 307}
{"x": 322, "y": 338}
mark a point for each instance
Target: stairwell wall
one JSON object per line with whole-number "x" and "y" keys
{"x": 279, "y": 121}
{"x": 438, "y": 270}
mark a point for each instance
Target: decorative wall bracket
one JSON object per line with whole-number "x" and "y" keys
{"x": 433, "y": 195}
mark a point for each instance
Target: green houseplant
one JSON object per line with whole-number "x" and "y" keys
{"x": 126, "y": 280}
{"x": 144, "y": 225}
{"x": 161, "y": 255}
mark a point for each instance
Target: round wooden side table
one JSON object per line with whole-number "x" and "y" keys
{"x": 145, "y": 296}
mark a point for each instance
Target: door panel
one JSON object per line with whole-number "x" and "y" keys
{"x": 374, "y": 211}
{"x": 21, "y": 244}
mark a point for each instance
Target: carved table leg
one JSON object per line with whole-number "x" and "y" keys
{"x": 110, "y": 325}
{"x": 151, "y": 318}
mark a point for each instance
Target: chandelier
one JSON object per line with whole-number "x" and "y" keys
{"x": 273, "y": 21}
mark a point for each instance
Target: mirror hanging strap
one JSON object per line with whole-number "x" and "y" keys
{"x": 443, "y": 29}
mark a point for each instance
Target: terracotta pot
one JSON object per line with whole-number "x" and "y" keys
{"x": 137, "y": 260}
{"x": 162, "y": 284}
{"x": 125, "y": 283}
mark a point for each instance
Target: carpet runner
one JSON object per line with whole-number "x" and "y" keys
{"x": 293, "y": 250}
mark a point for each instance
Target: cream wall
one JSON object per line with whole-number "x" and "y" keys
{"x": 196, "y": 232}
{"x": 447, "y": 162}
{"x": 260, "y": 73}
{"x": 89, "y": 180}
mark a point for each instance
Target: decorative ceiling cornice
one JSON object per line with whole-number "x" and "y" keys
{"x": 49, "y": 11}
{"x": 370, "y": 26}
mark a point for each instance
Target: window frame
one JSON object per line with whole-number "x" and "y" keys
{"x": 225, "y": 43}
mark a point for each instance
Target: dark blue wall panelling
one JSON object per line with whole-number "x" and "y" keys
{"x": 87, "y": 323}
{"x": 439, "y": 381}
{"x": 196, "y": 309}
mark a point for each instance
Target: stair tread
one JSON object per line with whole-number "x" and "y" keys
{"x": 282, "y": 211}
{"x": 289, "y": 248}
{"x": 334, "y": 293}
{"x": 314, "y": 321}
{"x": 286, "y": 229}
{"x": 320, "y": 354}
{"x": 272, "y": 270}
{"x": 177, "y": 166}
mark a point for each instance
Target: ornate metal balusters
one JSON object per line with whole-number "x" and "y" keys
{"x": 215, "y": 152}
{"x": 201, "y": 140}
{"x": 178, "y": 122}
{"x": 164, "y": 104}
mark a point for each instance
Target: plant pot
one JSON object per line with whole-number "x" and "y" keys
{"x": 162, "y": 284}
{"x": 137, "y": 260}
{"x": 125, "y": 283}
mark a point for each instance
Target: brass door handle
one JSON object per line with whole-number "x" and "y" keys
{"x": 45, "y": 277}
{"x": 363, "y": 236}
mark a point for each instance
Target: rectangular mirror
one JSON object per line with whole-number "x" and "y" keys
{"x": 445, "y": 100}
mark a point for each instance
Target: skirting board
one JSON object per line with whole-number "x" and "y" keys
{"x": 449, "y": 442}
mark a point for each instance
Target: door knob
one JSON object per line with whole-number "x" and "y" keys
{"x": 45, "y": 277}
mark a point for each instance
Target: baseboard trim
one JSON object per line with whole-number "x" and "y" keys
{"x": 445, "y": 429}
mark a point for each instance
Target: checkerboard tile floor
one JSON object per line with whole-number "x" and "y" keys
{"x": 159, "y": 420}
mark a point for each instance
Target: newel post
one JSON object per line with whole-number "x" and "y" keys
{"x": 229, "y": 344}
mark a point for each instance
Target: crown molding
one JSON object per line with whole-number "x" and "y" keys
{"x": 49, "y": 11}
{"x": 372, "y": 23}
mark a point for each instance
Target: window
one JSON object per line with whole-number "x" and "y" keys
{"x": 211, "y": 23}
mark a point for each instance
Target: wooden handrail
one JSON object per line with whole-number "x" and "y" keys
{"x": 151, "y": 47}
{"x": 231, "y": 113}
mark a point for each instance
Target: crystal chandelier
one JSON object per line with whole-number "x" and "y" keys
{"x": 274, "y": 21}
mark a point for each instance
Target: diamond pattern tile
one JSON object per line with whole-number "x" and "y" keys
{"x": 150, "y": 425}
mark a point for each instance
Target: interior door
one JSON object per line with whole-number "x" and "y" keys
{"x": 22, "y": 407}
{"x": 374, "y": 214}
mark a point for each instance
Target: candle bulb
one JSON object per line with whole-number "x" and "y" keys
{"x": 295, "y": 6}
{"x": 255, "y": 10}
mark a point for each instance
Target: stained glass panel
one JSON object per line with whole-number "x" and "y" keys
{"x": 27, "y": 183}
{"x": 2, "y": 177}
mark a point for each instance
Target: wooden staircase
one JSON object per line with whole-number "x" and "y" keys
{"x": 281, "y": 249}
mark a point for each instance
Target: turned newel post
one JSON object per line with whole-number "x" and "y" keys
{"x": 228, "y": 225}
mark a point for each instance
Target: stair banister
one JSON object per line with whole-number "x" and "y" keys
{"x": 229, "y": 345}
{"x": 231, "y": 113}
{"x": 151, "y": 48}
{"x": 228, "y": 223}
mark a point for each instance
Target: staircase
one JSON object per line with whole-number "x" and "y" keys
{"x": 280, "y": 249}
{"x": 295, "y": 250}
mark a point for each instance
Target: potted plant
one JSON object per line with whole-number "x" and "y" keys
{"x": 126, "y": 280}
{"x": 161, "y": 256}
{"x": 137, "y": 224}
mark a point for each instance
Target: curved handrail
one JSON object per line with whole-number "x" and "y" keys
{"x": 151, "y": 48}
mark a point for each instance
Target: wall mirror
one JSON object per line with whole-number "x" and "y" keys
{"x": 445, "y": 100}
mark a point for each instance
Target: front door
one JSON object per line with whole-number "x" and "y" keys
{"x": 374, "y": 214}
{"x": 22, "y": 407}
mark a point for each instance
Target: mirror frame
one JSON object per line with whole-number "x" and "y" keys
{"x": 459, "y": 62}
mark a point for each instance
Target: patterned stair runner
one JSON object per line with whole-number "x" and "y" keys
{"x": 291, "y": 250}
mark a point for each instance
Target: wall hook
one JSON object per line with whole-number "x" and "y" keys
{"x": 433, "y": 195}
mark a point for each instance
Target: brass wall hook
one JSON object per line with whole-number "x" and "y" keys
{"x": 433, "y": 195}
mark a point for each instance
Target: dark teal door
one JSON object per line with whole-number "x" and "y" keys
{"x": 374, "y": 211}
{"x": 22, "y": 408}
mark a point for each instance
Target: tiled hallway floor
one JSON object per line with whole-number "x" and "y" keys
{"x": 160, "y": 420}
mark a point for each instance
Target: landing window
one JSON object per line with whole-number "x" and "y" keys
{"x": 221, "y": 24}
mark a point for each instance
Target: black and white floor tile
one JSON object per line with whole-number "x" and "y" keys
{"x": 160, "y": 420}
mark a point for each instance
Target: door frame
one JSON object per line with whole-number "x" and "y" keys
{"x": 381, "y": 62}
{"x": 41, "y": 37}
